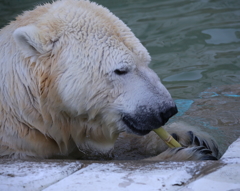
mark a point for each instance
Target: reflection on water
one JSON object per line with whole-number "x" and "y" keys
{"x": 183, "y": 105}
{"x": 185, "y": 76}
{"x": 221, "y": 36}
{"x": 194, "y": 45}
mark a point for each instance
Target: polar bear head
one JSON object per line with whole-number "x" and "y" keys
{"x": 88, "y": 65}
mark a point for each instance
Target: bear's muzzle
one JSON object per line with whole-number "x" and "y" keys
{"x": 147, "y": 119}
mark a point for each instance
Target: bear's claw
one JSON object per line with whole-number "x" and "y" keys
{"x": 204, "y": 153}
{"x": 202, "y": 148}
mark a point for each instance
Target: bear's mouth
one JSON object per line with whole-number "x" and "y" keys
{"x": 142, "y": 122}
{"x": 133, "y": 128}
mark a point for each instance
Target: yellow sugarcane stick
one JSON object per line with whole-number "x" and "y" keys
{"x": 167, "y": 138}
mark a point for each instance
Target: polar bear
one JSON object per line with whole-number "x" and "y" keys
{"x": 74, "y": 77}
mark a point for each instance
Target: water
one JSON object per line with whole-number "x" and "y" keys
{"x": 194, "y": 44}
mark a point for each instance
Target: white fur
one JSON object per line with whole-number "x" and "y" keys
{"x": 29, "y": 40}
{"x": 59, "y": 90}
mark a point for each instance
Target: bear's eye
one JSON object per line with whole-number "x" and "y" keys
{"x": 120, "y": 71}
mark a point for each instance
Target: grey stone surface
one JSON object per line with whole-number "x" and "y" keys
{"x": 49, "y": 175}
{"x": 34, "y": 175}
{"x": 130, "y": 176}
{"x": 226, "y": 178}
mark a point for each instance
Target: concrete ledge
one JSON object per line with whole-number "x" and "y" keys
{"x": 227, "y": 177}
{"x": 33, "y": 175}
{"x": 130, "y": 176}
{"x": 49, "y": 175}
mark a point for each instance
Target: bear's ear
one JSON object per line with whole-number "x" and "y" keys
{"x": 31, "y": 41}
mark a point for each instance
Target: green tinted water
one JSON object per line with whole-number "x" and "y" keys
{"x": 194, "y": 44}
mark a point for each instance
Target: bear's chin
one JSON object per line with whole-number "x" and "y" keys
{"x": 139, "y": 132}
{"x": 134, "y": 130}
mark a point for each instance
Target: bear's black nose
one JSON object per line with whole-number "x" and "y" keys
{"x": 166, "y": 115}
{"x": 146, "y": 119}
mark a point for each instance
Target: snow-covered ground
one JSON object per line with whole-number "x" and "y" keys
{"x": 49, "y": 175}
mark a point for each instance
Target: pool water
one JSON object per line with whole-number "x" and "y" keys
{"x": 195, "y": 50}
